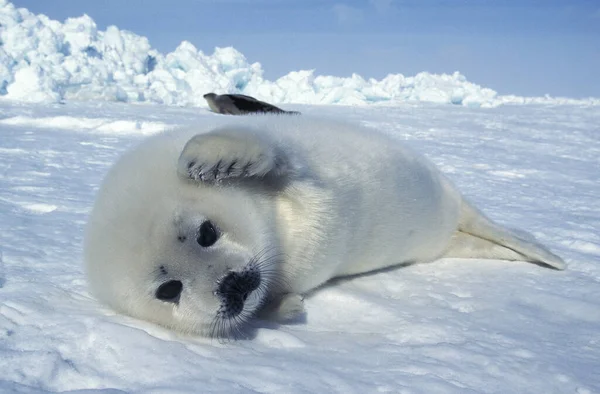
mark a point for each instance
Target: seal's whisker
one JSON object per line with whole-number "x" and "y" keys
{"x": 213, "y": 326}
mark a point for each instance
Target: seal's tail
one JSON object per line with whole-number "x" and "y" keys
{"x": 479, "y": 237}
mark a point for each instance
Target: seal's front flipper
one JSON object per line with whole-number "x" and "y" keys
{"x": 286, "y": 309}
{"x": 480, "y": 237}
{"x": 228, "y": 154}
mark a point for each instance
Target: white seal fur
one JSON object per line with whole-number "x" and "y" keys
{"x": 199, "y": 229}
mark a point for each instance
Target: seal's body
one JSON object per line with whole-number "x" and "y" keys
{"x": 239, "y": 104}
{"x": 199, "y": 229}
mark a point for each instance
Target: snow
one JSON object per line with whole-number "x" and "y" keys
{"x": 89, "y": 124}
{"x": 43, "y": 60}
{"x": 452, "y": 326}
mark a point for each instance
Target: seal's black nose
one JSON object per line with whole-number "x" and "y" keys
{"x": 234, "y": 288}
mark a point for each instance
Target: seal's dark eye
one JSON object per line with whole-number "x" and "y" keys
{"x": 207, "y": 234}
{"x": 169, "y": 291}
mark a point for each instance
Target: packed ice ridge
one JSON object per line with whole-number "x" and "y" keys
{"x": 43, "y": 60}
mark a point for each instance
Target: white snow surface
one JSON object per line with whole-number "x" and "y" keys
{"x": 451, "y": 326}
{"x": 43, "y": 60}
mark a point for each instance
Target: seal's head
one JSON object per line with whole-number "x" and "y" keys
{"x": 211, "y": 99}
{"x": 191, "y": 257}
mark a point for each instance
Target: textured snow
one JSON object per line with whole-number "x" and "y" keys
{"x": 452, "y": 326}
{"x": 43, "y": 60}
{"x": 102, "y": 125}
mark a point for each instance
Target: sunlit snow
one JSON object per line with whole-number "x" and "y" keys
{"x": 452, "y": 326}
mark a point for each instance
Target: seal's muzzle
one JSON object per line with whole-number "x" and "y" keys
{"x": 233, "y": 289}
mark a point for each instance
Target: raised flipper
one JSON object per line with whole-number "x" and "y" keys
{"x": 480, "y": 237}
{"x": 225, "y": 154}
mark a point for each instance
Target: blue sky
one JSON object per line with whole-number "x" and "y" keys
{"x": 528, "y": 47}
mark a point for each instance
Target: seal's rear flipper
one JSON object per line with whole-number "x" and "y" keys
{"x": 479, "y": 237}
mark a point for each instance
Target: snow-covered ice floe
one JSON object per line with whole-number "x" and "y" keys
{"x": 451, "y": 326}
{"x": 43, "y": 60}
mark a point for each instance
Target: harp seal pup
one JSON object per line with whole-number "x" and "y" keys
{"x": 201, "y": 229}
